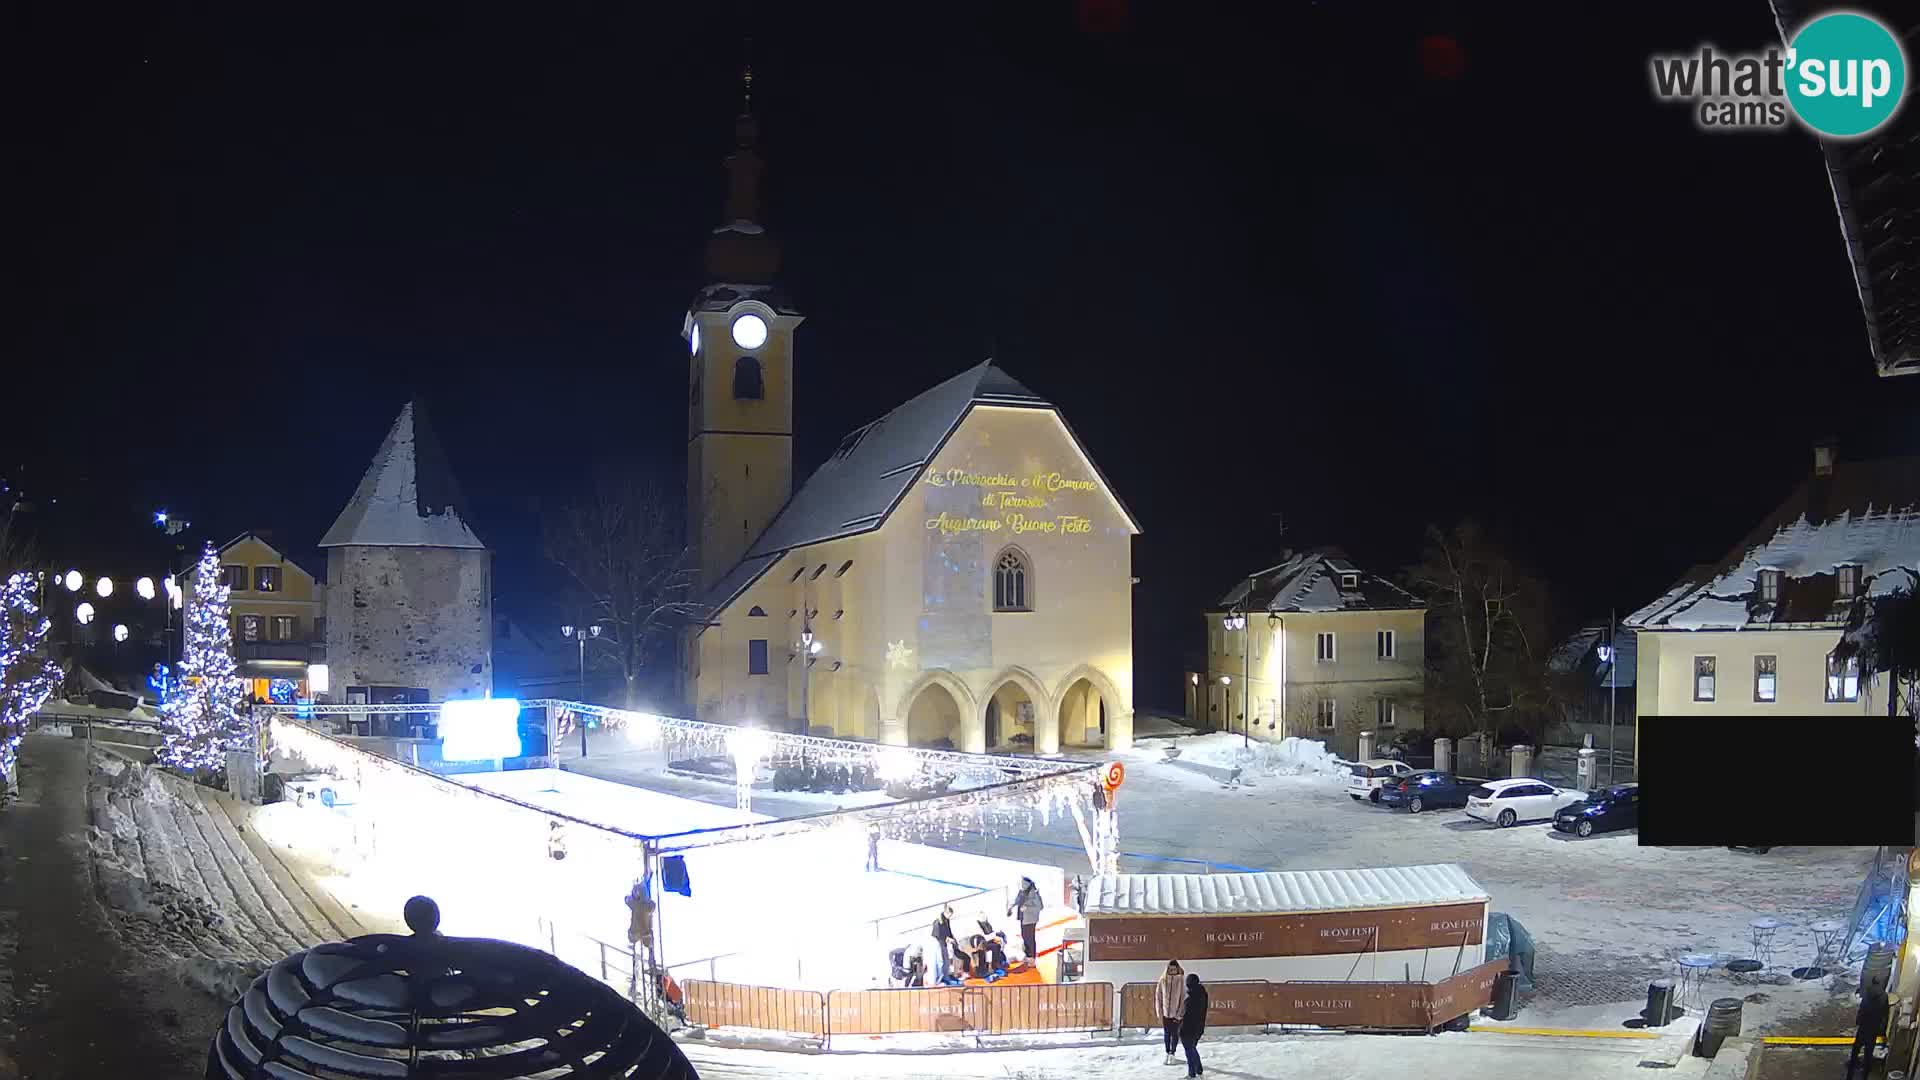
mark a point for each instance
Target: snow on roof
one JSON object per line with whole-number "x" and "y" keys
{"x": 1280, "y": 892}
{"x": 860, "y": 484}
{"x": 1310, "y": 582}
{"x": 1579, "y": 653}
{"x": 408, "y": 498}
{"x": 747, "y": 227}
{"x": 1866, "y": 514}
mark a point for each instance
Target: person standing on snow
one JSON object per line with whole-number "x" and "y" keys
{"x": 873, "y": 849}
{"x": 1170, "y": 1002}
{"x": 1193, "y": 1024}
{"x": 1869, "y": 1024}
{"x": 1028, "y": 904}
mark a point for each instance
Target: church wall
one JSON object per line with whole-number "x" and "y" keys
{"x": 410, "y": 617}
{"x": 918, "y": 599}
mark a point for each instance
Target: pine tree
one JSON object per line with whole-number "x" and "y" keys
{"x": 203, "y": 717}
{"x": 27, "y": 675}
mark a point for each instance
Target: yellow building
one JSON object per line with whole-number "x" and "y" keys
{"x": 1755, "y": 631}
{"x": 1315, "y": 648}
{"x": 957, "y": 573}
{"x": 278, "y": 613}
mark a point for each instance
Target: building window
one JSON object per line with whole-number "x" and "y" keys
{"x": 844, "y": 567}
{"x": 756, "y": 612}
{"x": 1843, "y": 678}
{"x": 746, "y": 379}
{"x": 693, "y": 395}
{"x": 1323, "y": 647}
{"x": 1383, "y": 712}
{"x": 235, "y": 578}
{"x": 1214, "y": 634}
{"x": 1766, "y": 683}
{"x": 816, "y": 574}
{"x": 757, "y": 656}
{"x": 797, "y": 573}
{"x": 249, "y": 627}
{"x": 1384, "y": 644}
{"x": 1703, "y": 678}
{"x": 1848, "y": 581}
{"x": 266, "y": 579}
{"x": 1349, "y": 581}
{"x": 1769, "y": 586}
{"x": 1327, "y": 713}
{"x": 1010, "y": 582}
{"x": 285, "y": 628}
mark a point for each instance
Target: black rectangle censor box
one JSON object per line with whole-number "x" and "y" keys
{"x": 1769, "y": 780}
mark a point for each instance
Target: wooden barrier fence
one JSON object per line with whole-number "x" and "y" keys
{"x": 1009, "y": 1010}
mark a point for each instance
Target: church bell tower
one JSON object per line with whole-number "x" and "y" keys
{"x": 739, "y": 336}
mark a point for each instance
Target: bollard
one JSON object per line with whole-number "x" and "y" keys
{"x": 1443, "y": 754}
{"x": 1659, "y": 1012}
{"x": 1366, "y": 747}
{"x": 1722, "y": 1022}
{"x": 1521, "y": 762}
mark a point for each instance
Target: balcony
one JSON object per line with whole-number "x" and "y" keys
{"x": 305, "y": 652}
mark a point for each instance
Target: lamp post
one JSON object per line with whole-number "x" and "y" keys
{"x": 580, "y": 634}
{"x": 1609, "y": 655}
{"x": 1237, "y": 621}
{"x": 809, "y": 648}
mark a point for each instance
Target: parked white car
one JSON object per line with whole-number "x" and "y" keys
{"x": 1505, "y": 802}
{"x": 1368, "y": 777}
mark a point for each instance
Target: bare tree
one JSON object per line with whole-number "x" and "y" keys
{"x": 1486, "y": 634}
{"x": 624, "y": 551}
{"x": 1883, "y": 637}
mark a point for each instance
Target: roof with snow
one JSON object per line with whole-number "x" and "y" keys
{"x": 723, "y": 296}
{"x": 1865, "y": 514}
{"x": 1281, "y": 892}
{"x": 1580, "y": 654}
{"x": 408, "y": 498}
{"x": 268, "y": 544}
{"x": 1876, "y": 189}
{"x": 1314, "y": 581}
{"x": 874, "y": 467}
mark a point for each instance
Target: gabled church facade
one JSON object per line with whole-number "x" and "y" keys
{"x": 958, "y": 573}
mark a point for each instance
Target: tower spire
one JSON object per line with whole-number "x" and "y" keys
{"x": 740, "y": 249}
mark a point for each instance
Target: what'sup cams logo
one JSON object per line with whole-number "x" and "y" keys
{"x": 1843, "y": 75}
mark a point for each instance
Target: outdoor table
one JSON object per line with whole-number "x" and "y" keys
{"x": 1693, "y": 973}
{"x": 1763, "y": 929}
{"x": 1826, "y": 935}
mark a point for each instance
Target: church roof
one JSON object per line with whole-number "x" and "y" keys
{"x": 408, "y": 498}
{"x": 875, "y": 465}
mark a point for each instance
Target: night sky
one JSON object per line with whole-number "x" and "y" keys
{"x": 1356, "y": 267}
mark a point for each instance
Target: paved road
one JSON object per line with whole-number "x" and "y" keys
{"x": 83, "y": 1007}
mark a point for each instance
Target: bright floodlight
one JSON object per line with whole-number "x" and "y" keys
{"x": 895, "y": 764}
{"x": 104, "y": 587}
{"x": 317, "y": 678}
{"x": 119, "y": 631}
{"x": 747, "y": 745}
{"x": 84, "y": 613}
{"x": 480, "y": 729}
{"x": 567, "y": 630}
{"x": 815, "y": 647}
{"x": 73, "y": 581}
{"x": 159, "y": 517}
{"x": 144, "y": 587}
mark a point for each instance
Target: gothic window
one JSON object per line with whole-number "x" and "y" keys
{"x": 693, "y": 398}
{"x": 1012, "y": 582}
{"x": 757, "y": 612}
{"x": 746, "y": 379}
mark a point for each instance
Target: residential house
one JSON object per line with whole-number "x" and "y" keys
{"x": 278, "y": 612}
{"x": 1755, "y": 631}
{"x": 1316, "y": 647}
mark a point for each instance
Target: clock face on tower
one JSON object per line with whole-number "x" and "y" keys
{"x": 693, "y": 340}
{"x": 749, "y": 331}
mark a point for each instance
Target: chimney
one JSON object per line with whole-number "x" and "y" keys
{"x": 1824, "y": 452}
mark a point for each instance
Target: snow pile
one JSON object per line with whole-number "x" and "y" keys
{"x": 1224, "y": 750}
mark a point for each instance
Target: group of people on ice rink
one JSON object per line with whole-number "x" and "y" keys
{"x": 959, "y": 956}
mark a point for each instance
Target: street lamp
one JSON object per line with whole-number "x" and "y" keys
{"x": 809, "y": 648}
{"x": 1237, "y": 622}
{"x": 581, "y": 634}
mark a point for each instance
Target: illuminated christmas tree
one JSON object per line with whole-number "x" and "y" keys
{"x": 204, "y": 720}
{"x": 27, "y": 676}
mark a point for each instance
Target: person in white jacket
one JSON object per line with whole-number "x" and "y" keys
{"x": 1170, "y": 1000}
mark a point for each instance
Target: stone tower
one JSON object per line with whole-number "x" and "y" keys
{"x": 739, "y": 334}
{"x": 409, "y": 589}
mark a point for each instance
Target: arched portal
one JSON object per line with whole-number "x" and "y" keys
{"x": 1018, "y": 717}
{"x": 1086, "y": 716}
{"x": 933, "y": 718}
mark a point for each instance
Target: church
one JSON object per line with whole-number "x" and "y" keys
{"x": 958, "y": 573}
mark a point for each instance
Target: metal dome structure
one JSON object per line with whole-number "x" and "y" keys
{"x": 401, "y": 1006}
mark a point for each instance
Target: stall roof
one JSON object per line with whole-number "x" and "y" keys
{"x": 1281, "y": 892}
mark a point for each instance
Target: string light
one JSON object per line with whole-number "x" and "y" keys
{"x": 27, "y": 675}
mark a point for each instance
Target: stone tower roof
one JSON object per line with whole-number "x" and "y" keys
{"x": 408, "y": 498}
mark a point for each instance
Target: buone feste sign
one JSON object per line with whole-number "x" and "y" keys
{"x": 1015, "y": 505}
{"x": 1220, "y": 937}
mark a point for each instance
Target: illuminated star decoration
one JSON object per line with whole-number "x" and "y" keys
{"x": 898, "y": 655}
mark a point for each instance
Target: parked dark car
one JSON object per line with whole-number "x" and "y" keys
{"x": 1428, "y": 789}
{"x": 1617, "y": 807}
